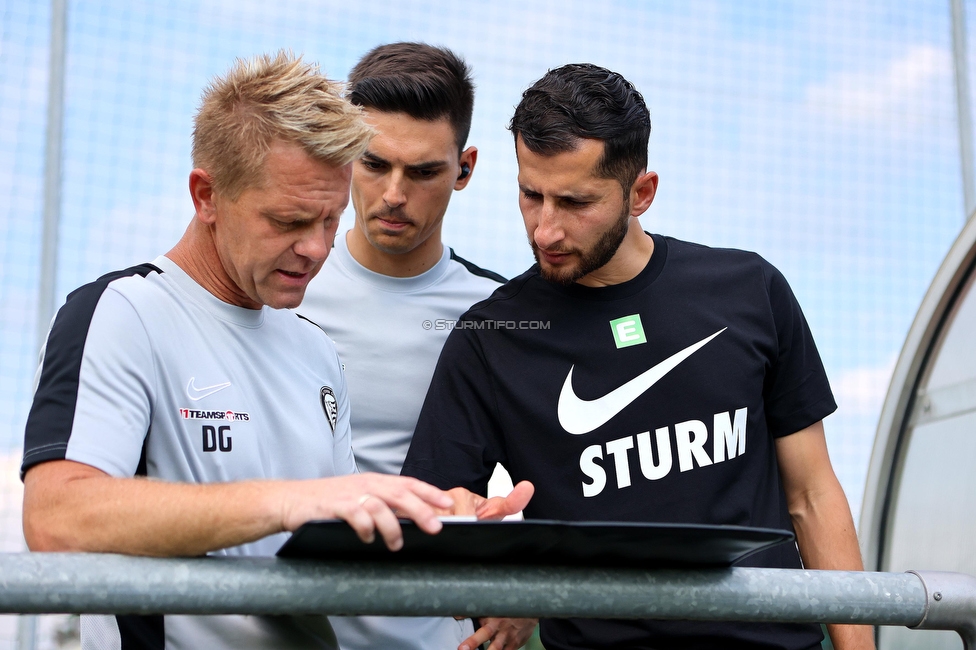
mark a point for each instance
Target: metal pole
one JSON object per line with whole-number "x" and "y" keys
{"x": 115, "y": 584}
{"x": 27, "y": 625}
{"x": 960, "y": 61}
{"x": 99, "y": 583}
{"x": 52, "y": 169}
{"x": 950, "y": 604}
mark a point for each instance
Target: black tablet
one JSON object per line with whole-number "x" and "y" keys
{"x": 542, "y": 542}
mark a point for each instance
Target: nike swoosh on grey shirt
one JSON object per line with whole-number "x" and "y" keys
{"x": 195, "y": 393}
{"x": 578, "y": 416}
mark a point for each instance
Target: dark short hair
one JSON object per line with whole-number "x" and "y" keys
{"x": 582, "y": 100}
{"x": 423, "y": 81}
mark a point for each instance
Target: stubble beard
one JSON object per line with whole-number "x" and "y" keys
{"x": 389, "y": 243}
{"x": 589, "y": 260}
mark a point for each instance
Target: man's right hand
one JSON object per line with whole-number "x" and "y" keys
{"x": 70, "y": 506}
{"x": 367, "y": 502}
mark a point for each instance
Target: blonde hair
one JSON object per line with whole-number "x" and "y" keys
{"x": 270, "y": 98}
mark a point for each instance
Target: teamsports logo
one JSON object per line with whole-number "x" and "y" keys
{"x": 330, "y": 406}
{"x": 229, "y": 416}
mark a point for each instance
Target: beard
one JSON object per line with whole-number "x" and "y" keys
{"x": 380, "y": 238}
{"x": 589, "y": 260}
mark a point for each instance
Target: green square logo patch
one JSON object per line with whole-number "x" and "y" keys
{"x": 628, "y": 331}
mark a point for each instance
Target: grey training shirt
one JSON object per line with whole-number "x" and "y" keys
{"x": 389, "y": 332}
{"x": 145, "y": 372}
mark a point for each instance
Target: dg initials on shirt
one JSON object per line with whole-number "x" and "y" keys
{"x": 215, "y": 438}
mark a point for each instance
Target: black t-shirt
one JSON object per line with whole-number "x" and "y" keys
{"x": 655, "y": 400}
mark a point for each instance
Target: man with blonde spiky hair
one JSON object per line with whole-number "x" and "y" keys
{"x": 188, "y": 370}
{"x": 267, "y": 99}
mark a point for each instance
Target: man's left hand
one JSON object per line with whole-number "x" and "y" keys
{"x": 469, "y": 503}
{"x": 504, "y": 633}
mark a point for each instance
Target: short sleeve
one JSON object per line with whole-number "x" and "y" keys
{"x": 457, "y": 441}
{"x": 796, "y": 392}
{"x": 94, "y": 396}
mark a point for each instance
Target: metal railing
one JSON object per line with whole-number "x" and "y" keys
{"x": 49, "y": 583}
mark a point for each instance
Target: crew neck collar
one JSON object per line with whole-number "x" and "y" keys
{"x": 215, "y": 306}
{"x": 386, "y": 282}
{"x": 631, "y": 287}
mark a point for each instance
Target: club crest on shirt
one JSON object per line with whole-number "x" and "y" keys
{"x": 330, "y": 406}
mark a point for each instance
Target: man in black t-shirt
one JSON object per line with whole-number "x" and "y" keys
{"x": 634, "y": 377}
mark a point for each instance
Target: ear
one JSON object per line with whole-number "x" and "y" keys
{"x": 642, "y": 193}
{"x": 468, "y": 157}
{"x": 201, "y": 191}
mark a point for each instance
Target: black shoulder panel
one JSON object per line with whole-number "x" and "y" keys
{"x": 306, "y": 318}
{"x": 52, "y": 412}
{"x": 477, "y": 270}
